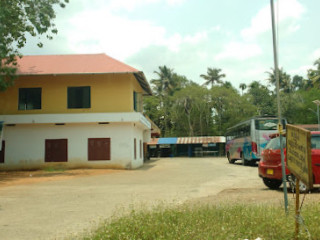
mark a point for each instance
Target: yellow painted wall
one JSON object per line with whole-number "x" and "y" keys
{"x": 109, "y": 93}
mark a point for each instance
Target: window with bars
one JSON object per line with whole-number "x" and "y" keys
{"x": 29, "y": 98}
{"x": 137, "y": 102}
{"x": 79, "y": 97}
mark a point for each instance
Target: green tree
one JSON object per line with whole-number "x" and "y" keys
{"x": 163, "y": 87}
{"x": 17, "y": 18}
{"x": 297, "y": 82}
{"x": 213, "y": 76}
{"x": 242, "y": 86}
{"x": 228, "y": 108}
{"x": 164, "y": 84}
{"x": 314, "y": 74}
{"x": 305, "y": 112}
{"x": 284, "y": 80}
{"x": 167, "y": 83}
{"x": 152, "y": 108}
{"x": 260, "y": 96}
{"x": 191, "y": 113}
{"x": 227, "y": 84}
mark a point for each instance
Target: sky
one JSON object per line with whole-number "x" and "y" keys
{"x": 190, "y": 36}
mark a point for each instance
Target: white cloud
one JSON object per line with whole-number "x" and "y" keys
{"x": 120, "y": 37}
{"x": 130, "y": 5}
{"x": 302, "y": 71}
{"x": 252, "y": 73}
{"x": 284, "y": 10}
{"x": 315, "y": 54}
{"x": 198, "y": 37}
{"x": 239, "y": 51}
{"x": 100, "y": 31}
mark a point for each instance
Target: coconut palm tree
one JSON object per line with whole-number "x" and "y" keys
{"x": 213, "y": 76}
{"x": 164, "y": 84}
{"x": 284, "y": 80}
{"x": 242, "y": 86}
{"x": 314, "y": 74}
{"x": 163, "y": 87}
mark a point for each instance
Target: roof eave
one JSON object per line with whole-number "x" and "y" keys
{"x": 140, "y": 77}
{"x": 143, "y": 82}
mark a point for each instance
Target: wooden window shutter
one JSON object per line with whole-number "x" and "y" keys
{"x": 99, "y": 149}
{"x": 56, "y": 150}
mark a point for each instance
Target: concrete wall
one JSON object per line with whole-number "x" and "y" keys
{"x": 25, "y": 144}
{"x": 109, "y": 93}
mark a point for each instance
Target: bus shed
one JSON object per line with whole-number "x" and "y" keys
{"x": 187, "y": 146}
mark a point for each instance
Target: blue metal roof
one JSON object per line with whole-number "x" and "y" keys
{"x": 171, "y": 140}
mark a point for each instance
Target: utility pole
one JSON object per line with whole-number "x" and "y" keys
{"x": 276, "y": 69}
{"x": 317, "y": 102}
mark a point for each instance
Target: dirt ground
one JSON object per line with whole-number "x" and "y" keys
{"x": 230, "y": 195}
{"x": 12, "y": 178}
{"x": 54, "y": 204}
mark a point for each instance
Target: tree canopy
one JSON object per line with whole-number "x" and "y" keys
{"x": 181, "y": 107}
{"x": 19, "y": 18}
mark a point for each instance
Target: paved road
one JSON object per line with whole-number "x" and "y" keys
{"x": 54, "y": 210}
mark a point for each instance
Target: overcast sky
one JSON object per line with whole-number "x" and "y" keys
{"x": 190, "y": 35}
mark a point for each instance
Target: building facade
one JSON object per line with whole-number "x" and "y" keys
{"x": 75, "y": 111}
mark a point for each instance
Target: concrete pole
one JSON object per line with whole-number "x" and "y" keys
{"x": 276, "y": 68}
{"x": 317, "y": 102}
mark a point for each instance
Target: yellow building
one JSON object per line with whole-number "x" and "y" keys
{"x": 75, "y": 110}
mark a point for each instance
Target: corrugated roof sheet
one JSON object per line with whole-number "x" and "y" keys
{"x": 201, "y": 140}
{"x": 188, "y": 140}
{"x": 77, "y": 64}
{"x": 172, "y": 140}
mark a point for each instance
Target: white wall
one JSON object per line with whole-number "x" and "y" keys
{"x": 137, "y": 133}
{"x": 25, "y": 144}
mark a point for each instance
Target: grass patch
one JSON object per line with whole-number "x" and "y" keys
{"x": 209, "y": 222}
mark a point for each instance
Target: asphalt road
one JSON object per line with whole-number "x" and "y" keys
{"x": 57, "y": 209}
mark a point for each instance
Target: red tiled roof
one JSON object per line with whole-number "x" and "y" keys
{"x": 71, "y": 64}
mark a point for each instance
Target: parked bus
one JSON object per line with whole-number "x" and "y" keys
{"x": 247, "y": 139}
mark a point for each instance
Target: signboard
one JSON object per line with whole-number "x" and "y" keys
{"x": 299, "y": 154}
{"x": 164, "y": 145}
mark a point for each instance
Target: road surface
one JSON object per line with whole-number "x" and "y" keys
{"x": 60, "y": 208}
